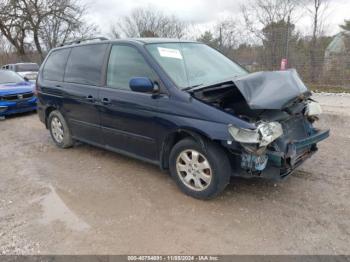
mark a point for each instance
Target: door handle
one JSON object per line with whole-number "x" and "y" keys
{"x": 106, "y": 101}
{"x": 90, "y": 98}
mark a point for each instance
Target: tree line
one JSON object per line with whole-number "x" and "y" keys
{"x": 259, "y": 36}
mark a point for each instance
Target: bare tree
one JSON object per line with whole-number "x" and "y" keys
{"x": 33, "y": 12}
{"x": 12, "y": 25}
{"x": 46, "y": 23}
{"x": 52, "y": 21}
{"x": 228, "y": 34}
{"x": 150, "y": 22}
{"x": 224, "y": 36}
{"x": 57, "y": 29}
{"x": 5, "y": 49}
{"x": 317, "y": 11}
{"x": 114, "y": 33}
{"x": 3, "y": 44}
{"x": 272, "y": 22}
{"x": 261, "y": 13}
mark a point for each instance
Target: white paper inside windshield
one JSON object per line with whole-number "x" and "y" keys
{"x": 168, "y": 52}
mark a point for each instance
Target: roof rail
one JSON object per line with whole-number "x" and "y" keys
{"x": 79, "y": 41}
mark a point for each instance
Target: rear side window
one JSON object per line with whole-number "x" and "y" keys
{"x": 85, "y": 65}
{"x": 126, "y": 62}
{"x": 55, "y": 64}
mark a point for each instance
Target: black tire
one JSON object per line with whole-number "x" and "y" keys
{"x": 67, "y": 140}
{"x": 218, "y": 161}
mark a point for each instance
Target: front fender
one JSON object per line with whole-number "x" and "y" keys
{"x": 199, "y": 130}
{"x": 209, "y": 129}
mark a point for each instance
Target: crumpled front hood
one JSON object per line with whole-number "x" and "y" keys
{"x": 270, "y": 90}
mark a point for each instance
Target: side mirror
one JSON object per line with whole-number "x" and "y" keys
{"x": 141, "y": 84}
{"x": 26, "y": 79}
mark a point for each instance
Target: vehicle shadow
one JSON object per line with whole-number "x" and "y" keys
{"x": 257, "y": 187}
{"x": 18, "y": 115}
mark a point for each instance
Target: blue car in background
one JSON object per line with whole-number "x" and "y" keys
{"x": 16, "y": 94}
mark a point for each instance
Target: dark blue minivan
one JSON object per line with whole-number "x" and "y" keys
{"x": 180, "y": 105}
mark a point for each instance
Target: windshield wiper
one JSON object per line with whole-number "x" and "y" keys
{"x": 191, "y": 87}
{"x": 200, "y": 86}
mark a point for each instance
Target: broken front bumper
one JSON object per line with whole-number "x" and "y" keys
{"x": 280, "y": 164}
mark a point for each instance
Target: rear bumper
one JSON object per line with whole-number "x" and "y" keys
{"x": 9, "y": 108}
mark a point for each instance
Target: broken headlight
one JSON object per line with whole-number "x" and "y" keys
{"x": 313, "y": 110}
{"x": 264, "y": 134}
{"x": 269, "y": 132}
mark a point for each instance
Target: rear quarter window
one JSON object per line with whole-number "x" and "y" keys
{"x": 85, "y": 64}
{"x": 55, "y": 65}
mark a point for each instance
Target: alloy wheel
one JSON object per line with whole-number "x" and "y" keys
{"x": 57, "y": 129}
{"x": 194, "y": 170}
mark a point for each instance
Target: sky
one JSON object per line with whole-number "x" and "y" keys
{"x": 202, "y": 12}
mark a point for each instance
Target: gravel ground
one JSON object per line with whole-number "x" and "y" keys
{"x": 86, "y": 200}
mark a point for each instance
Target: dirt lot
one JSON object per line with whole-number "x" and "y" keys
{"x": 86, "y": 200}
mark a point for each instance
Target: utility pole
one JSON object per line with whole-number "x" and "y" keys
{"x": 287, "y": 38}
{"x": 284, "y": 61}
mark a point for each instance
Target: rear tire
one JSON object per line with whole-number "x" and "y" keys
{"x": 199, "y": 173}
{"x": 59, "y": 130}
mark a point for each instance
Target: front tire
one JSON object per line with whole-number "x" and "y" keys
{"x": 59, "y": 130}
{"x": 200, "y": 173}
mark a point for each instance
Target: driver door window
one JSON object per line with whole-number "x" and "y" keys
{"x": 126, "y": 62}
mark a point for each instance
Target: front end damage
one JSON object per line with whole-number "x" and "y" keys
{"x": 282, "y": 111}
{"x": 282, "y": 156}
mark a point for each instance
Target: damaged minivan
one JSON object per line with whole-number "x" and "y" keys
{"x": 180, "y": 105}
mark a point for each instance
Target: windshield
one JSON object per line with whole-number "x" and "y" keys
{"x": 27, "y": 67}
{"x": 194, "y": 64}
{"x": 9, "y": 77}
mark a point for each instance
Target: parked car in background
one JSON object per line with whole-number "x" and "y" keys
{"x": 16, "y": 94}
{"x": 26, "y": 70}
{"x": 181, "y": 105}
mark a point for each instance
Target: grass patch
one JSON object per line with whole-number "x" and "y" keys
{"x": 328, "y": 89}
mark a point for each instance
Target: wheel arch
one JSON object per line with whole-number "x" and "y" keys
{"x": 174, "y": 137}
{"x": 48, "y": 111}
